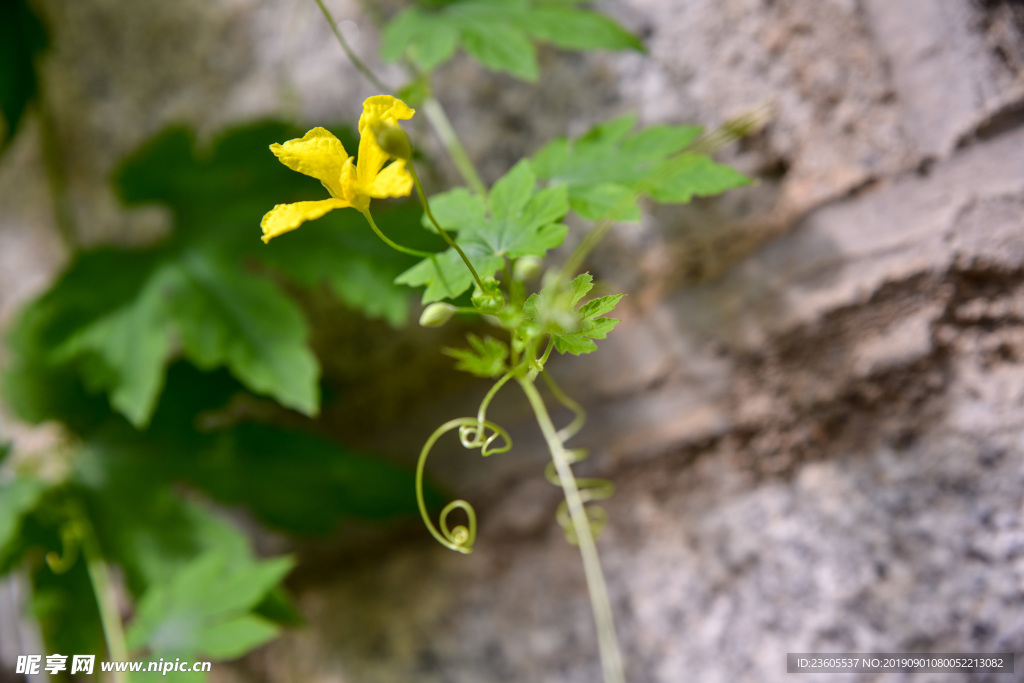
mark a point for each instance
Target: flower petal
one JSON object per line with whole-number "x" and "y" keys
{"x": 318, "y": 154}
{"x": 393, "y": 181}
{"x": 371, "y": 157}
{"x": 286, "y": 217}
{"x": 386, "y": 108}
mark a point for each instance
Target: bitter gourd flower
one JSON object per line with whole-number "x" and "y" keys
{"x": 352, "y": 183}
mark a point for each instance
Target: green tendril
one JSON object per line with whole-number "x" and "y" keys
{"x": 459, "y": 538}
{"x": 579, "y": 414}
{"x": 581, "y": 522}
{"x": 71, "y": 542}
{"x": 591, "y": 489}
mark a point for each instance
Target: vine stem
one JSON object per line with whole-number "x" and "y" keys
{"x": 394, "y": 245}
{"x": 441, "y": 231}
{"x": 608, "y": 644}
{"x": 431, "y": 107}
{"x": 443, "y": 126}
{"x": 350, "y": 53}
{"x": 103, "y": 588}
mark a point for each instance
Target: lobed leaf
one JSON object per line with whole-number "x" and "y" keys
{"x": 485, "y": 358}
{"x": 572, "y": 329}
{"x": 608, "y": 168}
{"x": 521, "y": 223}
{"x": 500, "y": 34}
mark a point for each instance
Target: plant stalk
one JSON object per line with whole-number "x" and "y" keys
{"x": 441, "y": 231}
{"x": 350, "y": 53}
{"x": 608, "y": 644}
{"x": 394, "y": 245}
{"x": 103, "y": 588}
{"x": 441, "y": 123}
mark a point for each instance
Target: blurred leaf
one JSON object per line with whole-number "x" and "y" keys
{"x": 17, "y": 498}
{"x": 521, "y": 223}
{"x": 301, "y": 482}
{"x": 205, "y": 610}
{"x": 22, "y": 39}
{"x": 218, "y": 195}
{"x": 680, "y": 179}
{"x": 484, "y": 357}
{"x": 278, "y": 608}
{"x": 499, "y": 33}
{"x": 231, "y": 318}
{"x": 142, "y": 524}
{"x": 292, "y": 480}
{"x": 54, "y": 353}
{"x": 125, "y": 351}
{"x": 112, "y": 316}
{"x": 340, "y": 250}
{"x": 606, "y": 168}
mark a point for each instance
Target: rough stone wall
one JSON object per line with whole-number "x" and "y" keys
{"x": 813, "y": 409}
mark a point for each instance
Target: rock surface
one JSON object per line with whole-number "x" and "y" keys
{"x": 814, "y": 408}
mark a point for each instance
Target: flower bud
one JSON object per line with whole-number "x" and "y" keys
{"x": 437, "y": 314}
{"x": 490, "y": 300}
{"x": 527, "y": 268}
{"x": 392, "y": 139}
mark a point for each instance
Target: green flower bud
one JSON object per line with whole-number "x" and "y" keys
{"x": 490, "y": 299}
{"x": 392, "y": 139}
{"x": 437, "y": 314}
{"x": 527, "y": 268}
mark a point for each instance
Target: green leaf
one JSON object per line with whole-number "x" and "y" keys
{"x": 218, "y": 194}
{"x": 601, "y": 200}
{"x": 17, "y": 498}
{"x": 454, "y": 208}
{"x": 204, "y": 611}
{"x": 579, "y": 287}
{"x": 573, "y": 330}
{"x": 521, "y": 223}
{"x": 501, "y": 47}
{"x": 485, "y": 358}
{"x": 688, "y": 175}
{"x": 125, "y": 352}
{"x": 234, "y": 637}
{"x": 112, "y": 316}
{"x": 609, "y": 167}
{"x": 22, "y": 39}
{"x": 499, "y": 33}
{"x": 430, "y": 42}
{"x": 228, "y": 317}
{"x": 572, "y": 29}
{"x": 301, "y": 482}
{"x": 101, "y": 321}
{"x": 510, "y": 194}
{"x": 436, "y": 46}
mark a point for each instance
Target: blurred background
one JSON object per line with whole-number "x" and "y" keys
{"x": 812, "y": 409}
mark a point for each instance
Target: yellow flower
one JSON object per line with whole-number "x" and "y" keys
{"x": 321, "y": 155}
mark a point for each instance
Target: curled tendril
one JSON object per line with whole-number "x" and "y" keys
{"x": 472, "y": 434}
{"x": 71, "y": 541}
{"x": 591, "y": 489}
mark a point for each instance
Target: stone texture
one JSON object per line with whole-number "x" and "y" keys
{"x": 812, "y": 409}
